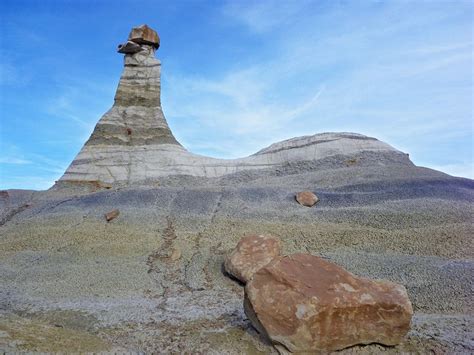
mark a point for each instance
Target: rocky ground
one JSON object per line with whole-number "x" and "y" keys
{"x": 151, "y": 279}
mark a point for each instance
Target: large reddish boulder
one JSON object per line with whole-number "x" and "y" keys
{"x": 251, "y": 253}
{"x": 304, "y": 303}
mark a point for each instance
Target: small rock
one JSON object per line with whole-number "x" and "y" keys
{"x": 251, "y": 253}
{"x": 175, "y": 255}
{"x": 307, "y": 198}
{"x": 304, "y": 303}
{"x": 111, "y": 215}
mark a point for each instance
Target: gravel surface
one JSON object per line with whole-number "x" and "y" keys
{"x": 73, "y": 282}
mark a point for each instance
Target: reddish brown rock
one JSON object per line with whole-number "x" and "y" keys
{"x": 251, "y": 253}
{"x": 307, "y": 198}
{"x": 111, "y": 215}
{"x": 144, "y": 35}
{"x": 304, "y": 303}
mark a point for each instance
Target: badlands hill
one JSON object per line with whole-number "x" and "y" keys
{"x": 151, "y": 279}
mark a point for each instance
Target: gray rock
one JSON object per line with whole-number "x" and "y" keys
{"x": 129, "y": 48}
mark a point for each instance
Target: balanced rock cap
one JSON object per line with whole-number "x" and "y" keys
{"x": 144, "y": 35}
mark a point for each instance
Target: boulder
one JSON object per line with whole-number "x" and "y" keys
{"x": 304, "y": 303}
{"x": 251, "y": 253}
{"x": 111, "y": 215}
{"x": 144, "y": 35}
{"x": 307, "y": 198}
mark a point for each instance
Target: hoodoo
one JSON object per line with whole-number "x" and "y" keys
{"x": 127, "y": 252}
{"x": 132, "y": 142}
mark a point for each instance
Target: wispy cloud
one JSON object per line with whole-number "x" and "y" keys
{"x": 237, "y": 105}
{"x": 14, "y": 160}
{"x": 265, "y": 16}
{"x": 63, "y": 107}
{"x": 32, "y": 170}
{"x": 393, "y": 75}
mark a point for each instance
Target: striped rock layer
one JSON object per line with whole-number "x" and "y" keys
{"x": 132, "y": 143}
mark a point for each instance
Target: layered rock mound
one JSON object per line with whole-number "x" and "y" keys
{"x": 132, "y": 143}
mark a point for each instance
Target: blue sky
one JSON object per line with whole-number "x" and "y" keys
{"x": 240, "y": 75}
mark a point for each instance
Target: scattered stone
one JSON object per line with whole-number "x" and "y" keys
{"x": 307, "y": 198}
{"x": 144, "y": 35}
{"x": 111, "y": 215}
{"x": 175, "y": 254}
{"x": 304, "y": 303}
{"x": 251, "y": 253}
{"x": 129, "y": 48}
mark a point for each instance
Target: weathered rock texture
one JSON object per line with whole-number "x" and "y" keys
{"x": 144, "y": 35}
{"x": 132, "y": 143}
{"x": 251, "y": 253}
{"x": 129, "y": 48}
{"x": 306, "y": 304}
{"x": 306, "y": 198}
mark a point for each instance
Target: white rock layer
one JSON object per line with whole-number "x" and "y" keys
{"x": 133, "y": 143}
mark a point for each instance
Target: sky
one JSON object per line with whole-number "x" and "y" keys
{"x": 239, "y": 75}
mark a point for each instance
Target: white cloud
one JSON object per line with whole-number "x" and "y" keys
{"x": 237, "y": 105}
{"x": 64, "y": 107}
{"x": 263, "y": 16}
{"x": 14, "y": 160}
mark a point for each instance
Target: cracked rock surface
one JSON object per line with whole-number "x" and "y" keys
{"x": 304, "y": 303}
